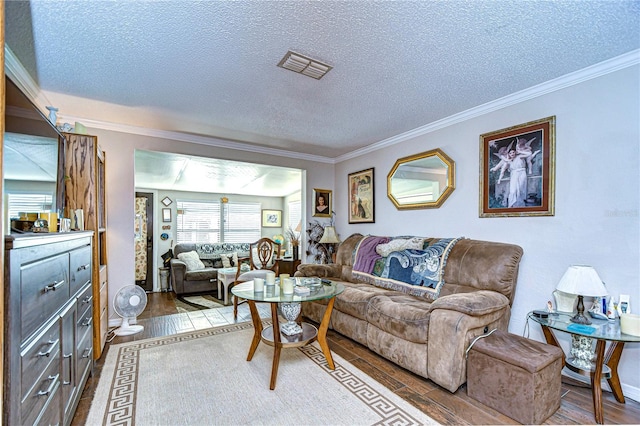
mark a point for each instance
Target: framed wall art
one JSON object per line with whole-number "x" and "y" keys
{"x": 271, "y": 218}
{"x": 322, "y": 202}
{"x": 166, "y": 215}
{"x": 361, "y": 202}
{"x": 517, "y": 170}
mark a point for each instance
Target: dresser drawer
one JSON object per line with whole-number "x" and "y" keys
{"x": 85, "y": 301}
{"x": 84, "y": 356}
{"x": 44, "y": 289}
{"x": 45, "y": 393}
{"x": 39, "y": 355}
{"x": 79, "y": 268}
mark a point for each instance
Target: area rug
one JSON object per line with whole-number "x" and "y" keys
{"x": 196, "y": 303}
{"x": 203, "y": 378}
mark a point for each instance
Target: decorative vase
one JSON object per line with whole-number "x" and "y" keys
{"x": 296, "y": 252}
{"x": 53, "y": 114}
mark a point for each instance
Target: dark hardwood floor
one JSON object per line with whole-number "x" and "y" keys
{"x": 160, "y": 318}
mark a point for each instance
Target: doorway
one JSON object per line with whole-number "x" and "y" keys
{"x": 143, "y": 227}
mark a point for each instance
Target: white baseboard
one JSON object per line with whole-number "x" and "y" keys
{"x": 117, "y": 322}
{"x": 630, "y": 392}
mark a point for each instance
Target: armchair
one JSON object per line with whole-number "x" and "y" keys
{"x": 262, "y": 258}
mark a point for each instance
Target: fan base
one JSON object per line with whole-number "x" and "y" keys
{"x": 128, "y": 330}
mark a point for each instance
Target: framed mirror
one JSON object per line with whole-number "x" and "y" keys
{"x": 421, "y": 181}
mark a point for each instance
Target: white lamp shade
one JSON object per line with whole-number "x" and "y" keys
{"x": 582, "y": 280}
{"x": 329, "y": 236}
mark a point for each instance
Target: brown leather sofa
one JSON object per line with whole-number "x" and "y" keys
{"x": 426, "y": 337}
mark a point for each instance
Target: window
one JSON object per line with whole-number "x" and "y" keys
{"x": 33, "y": 203}
{"x": 242, "y": 222}
{"x": 295, "y": 214}
{"x": 198, "y": 222}
{"x": 202, "y": 222}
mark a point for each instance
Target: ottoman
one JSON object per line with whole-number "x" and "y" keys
{"x": 516, "y": 376}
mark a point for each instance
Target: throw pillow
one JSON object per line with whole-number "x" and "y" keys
{"x": 229, "y": 260}
{"x": 192, "y": 260}
{"x": 399, "y": 244}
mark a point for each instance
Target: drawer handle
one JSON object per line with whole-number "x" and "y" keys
{"x": 87, "y": 322}
{"x": 68, "y": 356}
{"x": 87, "y": 352}
{"x": 87, "y": 300}
{"x": 51, "y": 348}
{"x": 84, "y": 267}
{"x": 54, "y": 286}
{"x": 53, "y": 379}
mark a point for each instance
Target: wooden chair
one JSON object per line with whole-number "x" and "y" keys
{"x": 263, "y": 255}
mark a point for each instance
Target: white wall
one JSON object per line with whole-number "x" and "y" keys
{"x": 597, "y": 203}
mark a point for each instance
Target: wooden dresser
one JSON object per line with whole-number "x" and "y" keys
{"x": 48, "y": 301}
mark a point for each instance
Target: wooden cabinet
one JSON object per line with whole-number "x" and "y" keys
{"x": 85, "y": 189}
{"x": 288, "y": 266}
{"x": 47, "y": 299}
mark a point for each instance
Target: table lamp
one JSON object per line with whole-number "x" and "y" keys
{"x": 581, "y": 280}
{"x": 329, "y": 237}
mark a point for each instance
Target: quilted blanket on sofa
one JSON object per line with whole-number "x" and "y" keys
{"x": 412, "y": 271}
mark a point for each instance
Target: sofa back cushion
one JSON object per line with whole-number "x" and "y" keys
{"x": 482, "y": 265}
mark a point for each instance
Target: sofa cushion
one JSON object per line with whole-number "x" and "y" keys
{"x": 355, "y": 298}
{"x": 192, "y": 260}
{"x": 229, "y": 260}
{"x": 401, "y": 315}
{"x": 205, "y": 274}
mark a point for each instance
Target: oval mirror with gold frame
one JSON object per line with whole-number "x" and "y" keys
{"x": 421, "y": 181}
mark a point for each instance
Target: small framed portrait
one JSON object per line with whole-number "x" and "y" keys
{"x": 322, "y": 202}
{"x": 271, "y": 218}
{"x": 166, "y": 215}
{"x": 517, "y": 170}
{"x": 361, "y": 203}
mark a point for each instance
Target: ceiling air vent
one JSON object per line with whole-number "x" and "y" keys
{"x": 304, "y": 65}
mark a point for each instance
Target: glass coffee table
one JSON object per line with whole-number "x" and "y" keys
{"x": 291, "y": 334}
{"x": 603, "y": 366}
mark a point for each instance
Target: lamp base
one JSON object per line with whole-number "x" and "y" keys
{"x": 579, "y": 318}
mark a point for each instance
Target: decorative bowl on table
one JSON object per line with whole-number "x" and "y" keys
{"x": 313, "y": 283}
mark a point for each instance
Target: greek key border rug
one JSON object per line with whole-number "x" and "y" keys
{"x": 203, "y": 378}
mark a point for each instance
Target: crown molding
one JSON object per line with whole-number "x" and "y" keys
{"x": 615, "y": 64}
{"x": 21, "y": 77}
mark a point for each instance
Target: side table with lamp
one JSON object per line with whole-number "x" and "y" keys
{"x": 583, "y": 281}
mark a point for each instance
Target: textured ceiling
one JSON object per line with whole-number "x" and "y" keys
{"x": 210, "y": 67}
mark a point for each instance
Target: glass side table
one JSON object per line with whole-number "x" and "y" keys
{"x": 290, "y": 304}
{"x": 600, "y": 365}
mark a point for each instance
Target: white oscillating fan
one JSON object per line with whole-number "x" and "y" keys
{"x": 129, "y": 302}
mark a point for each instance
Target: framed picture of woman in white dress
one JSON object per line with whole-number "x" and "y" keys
{"x": 517, "y": 170}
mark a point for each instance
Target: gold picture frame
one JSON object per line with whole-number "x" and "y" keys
{"x": 517, "y": 170}
{"x": 361, "y": 197}
{"x": 322, "y": 202}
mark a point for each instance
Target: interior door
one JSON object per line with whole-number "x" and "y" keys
{"x": 143, "y": 227}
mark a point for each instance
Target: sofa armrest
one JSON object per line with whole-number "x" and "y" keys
{"x": 456, "y": 320}
{"x": 475, "y": 304}
{"x": 178, "y": 269}
{"x": 318, "y": 270}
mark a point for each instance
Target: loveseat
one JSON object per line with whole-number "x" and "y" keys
{"x": 202, "y": 277}
{"x": 420, "y": 328}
